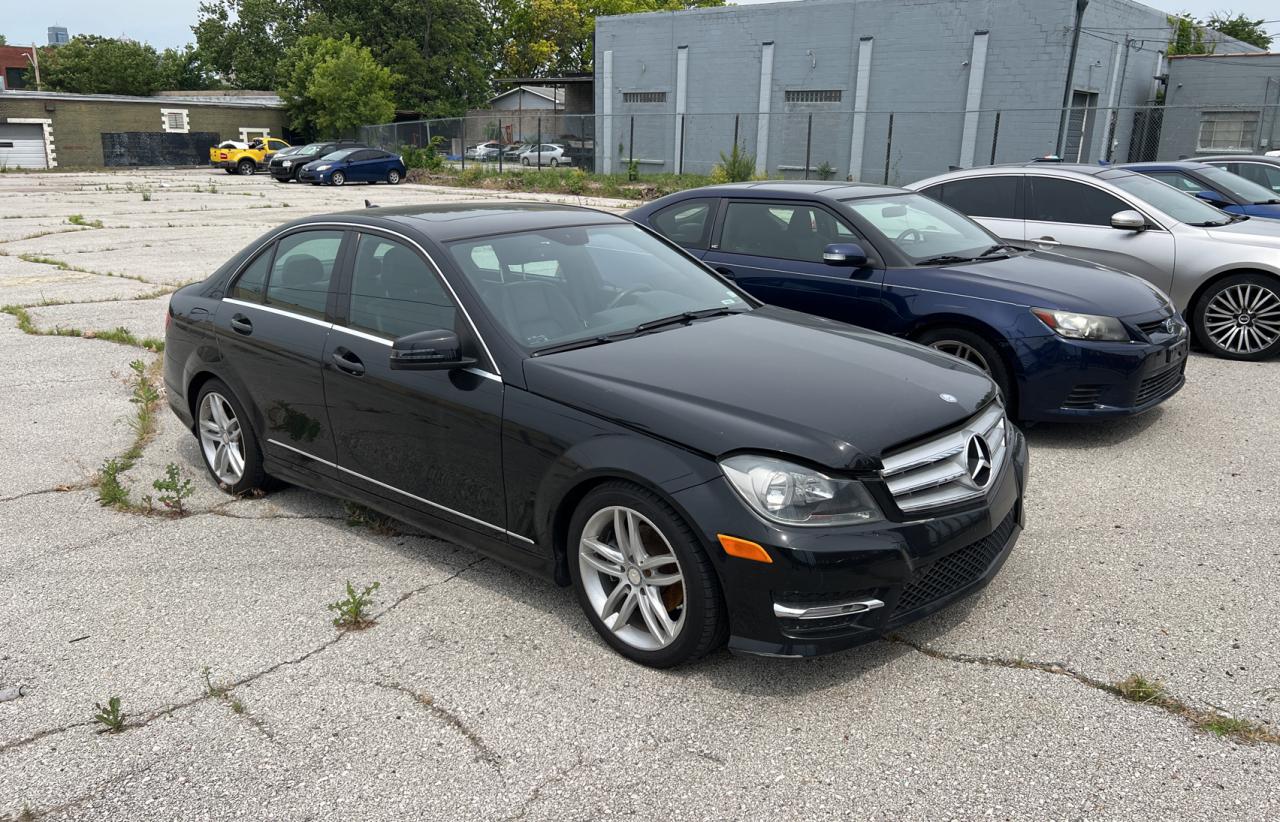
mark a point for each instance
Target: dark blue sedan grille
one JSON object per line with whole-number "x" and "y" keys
{"x": 1158, "y": 385}
{"x": 956, "y": 570}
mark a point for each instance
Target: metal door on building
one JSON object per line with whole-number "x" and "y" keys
{"x": 1084, "y": 109}
{"x": 22, "y": 146}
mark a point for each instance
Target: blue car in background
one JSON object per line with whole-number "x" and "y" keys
{"x": 354, "y": 165}
{"x": 1063, "y": 338}
{"x": 1216, "y": 186}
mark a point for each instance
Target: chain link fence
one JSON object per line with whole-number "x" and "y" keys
{"x": 870, "y": 146}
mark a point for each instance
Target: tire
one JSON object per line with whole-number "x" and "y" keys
{"x": 974, "y": 349}
{"x": 554, "y": 162}
{"x": 337, "y": 178}
{"x": 524, "y": 161}
{"x": 240, "y": 440}
{"x": 696, "y": 619}
{"x": 246, "y": 168}
{"x": 1238, "y": 317}
{"x": 393, "y": 177}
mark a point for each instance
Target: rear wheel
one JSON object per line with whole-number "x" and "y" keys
{"x": 1238, "y": 318}
{"x": 554, "y": 162}
{"x": 337, "y": 178}
{"x": 393, "y": 176}
{"x": 973, "y": 349}
{"x": 227, "y": 442}
{"x": 246, "y": 167}
{"x": 642, "y": 578}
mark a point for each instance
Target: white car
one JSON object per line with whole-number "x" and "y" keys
{"x": 552, "y": 155}
{"x": 484, "y": 151}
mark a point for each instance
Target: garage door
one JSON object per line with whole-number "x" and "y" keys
{"x": 22, "y": 146}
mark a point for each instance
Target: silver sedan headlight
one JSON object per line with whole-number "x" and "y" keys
{"x": 795, "y": 495}
{"x": 1082, "y": 326}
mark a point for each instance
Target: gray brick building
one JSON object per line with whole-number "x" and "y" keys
{"x": 874, "y": 89}
{"x": 1221, "y": 104}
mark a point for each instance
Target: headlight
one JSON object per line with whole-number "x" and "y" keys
{"x": 287, "y": 163}
{"x": 794, "y": 495}
{"x": 324, "y": 167}
{"x": 1082, "y": 326}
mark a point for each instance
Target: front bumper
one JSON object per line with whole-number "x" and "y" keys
{"x": 306, "y": 176}
{"x": 912, "y": 569}
{"x": 1073, "y": 380}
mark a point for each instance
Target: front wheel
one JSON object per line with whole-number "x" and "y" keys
{"x": 393, "y": 176}
{"x": 973, "y": 349}
{"x": 1238, "y": 318}
{"x": 524, "y": 161}
{"x": 227, "y": 441}
{"x": 337, "y": 178}
{"x": 554, "y": 162}
{"x": 246, "y": 167}
{"x": 642, "y": 578}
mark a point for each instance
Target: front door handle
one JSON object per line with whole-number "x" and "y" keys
{"x": 241, "y": 324}
{"x": 727, "y": 273}
{"x": 1047, "y": 241}
{"x": 347, "y": 362}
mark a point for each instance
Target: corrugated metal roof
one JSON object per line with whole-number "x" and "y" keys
{"x": 195, "y": 100}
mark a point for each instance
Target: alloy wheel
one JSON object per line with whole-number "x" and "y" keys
{"x": 1243, "y": 318}
{"x": 962, "y": 351}
{"x": 632, "y": 578}
{"x": 221, "y": 438}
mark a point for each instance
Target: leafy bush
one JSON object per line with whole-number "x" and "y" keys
{"x": 736, "y": 167}
{"x": 426, "y": 157}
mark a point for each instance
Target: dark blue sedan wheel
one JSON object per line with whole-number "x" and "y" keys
{"x": 393, "y": 176}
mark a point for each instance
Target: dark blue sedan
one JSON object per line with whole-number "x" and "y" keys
{"x": 1216, "y": 186}
{"x": 1064, "y": 339}
{"x": 354, "y": 165}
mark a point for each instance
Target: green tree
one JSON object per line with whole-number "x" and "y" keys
{"x": 1241, "y": 28}
{"x": 183, "y": 69}
{"x": 3, "y": 40}
{"x": 89, "y": 64}
{"x": 333, "y": 86}
{"x": 243, "y": 40}
{"x": 1188, "y": 36}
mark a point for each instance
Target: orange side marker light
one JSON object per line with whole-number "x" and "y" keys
{"x": 744, "y": 549}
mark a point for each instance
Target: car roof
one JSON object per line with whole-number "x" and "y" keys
{"x": 781, "y": 189}
{"x": 1173, "y": 165}
{"x": 1047, "y": 169}
{"x": 445, "y": 222}
{"x": 1235, "y": 158}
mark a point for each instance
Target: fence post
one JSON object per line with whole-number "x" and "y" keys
{"x": 680, "y": 169}
{"x": 888, "y": 149}
{"x": 631, "y": 148}
{"x": 995, "y": 138}
{"x": 735, "y": 129}
{"x": 539, "y": 144}
{"x": 808, "y": 143}
{"x": 502, "y": 149}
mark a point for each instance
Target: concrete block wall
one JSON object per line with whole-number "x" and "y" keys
{"x": 1216, "y": 83}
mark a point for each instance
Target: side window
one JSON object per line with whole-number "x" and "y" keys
{"x": 394, "y": 292}
{"x": 1263, "y": 175}
{"x": 785, "y": 230}
{"x": 1179, "y": 181}
{"x": 1066, "y": 201}
{"x": 687, "y": 223}
{"x": 300, "y": 274}
{"x": 995, "y": 197}
{"x": 252, "y": 282}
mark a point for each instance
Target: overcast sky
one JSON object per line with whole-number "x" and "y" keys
{"x": 168, "y": 22}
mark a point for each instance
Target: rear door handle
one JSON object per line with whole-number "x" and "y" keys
{"x": 241, "y": 324}
{"x": 1047, "y": 241}
{"x": 347, "y": 361}
{"x": 726, "y": 273}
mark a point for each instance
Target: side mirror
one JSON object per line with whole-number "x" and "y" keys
{"x": 847, "y": 255}
{"x": 436, "y": 350}
{"x": 1129, "y": 220}
{"x": 1213, "y": 198}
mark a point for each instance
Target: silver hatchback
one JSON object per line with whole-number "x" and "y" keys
{"x": 1222, "y": 271}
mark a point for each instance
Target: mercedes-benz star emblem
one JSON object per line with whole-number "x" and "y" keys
{"x": 977, "y": 456}
{"x": 947, "y": 398}
{"x": 1171, "y": 326}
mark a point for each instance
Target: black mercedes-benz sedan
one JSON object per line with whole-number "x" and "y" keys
{"x": 576, "y": 396}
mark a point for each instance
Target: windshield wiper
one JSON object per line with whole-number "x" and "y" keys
{"x": 570, "y": 346}
{"x": 945, "y": 259}
{"x": 682, "y": 317}
{"x": 990, "y": 252}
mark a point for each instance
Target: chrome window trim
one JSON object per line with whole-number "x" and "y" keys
{"x": 405, "y": 493}
{"x": 283, "y": 313}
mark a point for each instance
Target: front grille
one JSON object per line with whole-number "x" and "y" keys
{"x": 937, "y": 473}
{"x": 1153, "y": 327}
{"x": 1158, "y": 385}
{"x": 1083, "y": 396}
{"x": 956, "y": 570}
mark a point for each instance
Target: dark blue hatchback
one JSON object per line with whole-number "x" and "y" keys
{"x": 1064, "y": 339}
{"x": 1216, "y": 186}
{"x": 354, "y": 165}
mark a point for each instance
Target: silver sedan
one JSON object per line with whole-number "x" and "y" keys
{"x": 1221, "y": 270}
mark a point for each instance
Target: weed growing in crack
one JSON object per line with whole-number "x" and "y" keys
{"x": 146, "y": 398}
{"x": 353, "y": 611}
{"x": 174, "y": 488}
{"x": 111, "y": 493}
{"x": 146, "y": 195}
{"x": 110, "y": 716}
{"x": 26, "y": 815}
{"x": 78, "y": 219}
{"x": 237, "y": 707}
{"x": 360, "y": 516}
{"x": 36, "y": 258}
{"x": 1138, "y": 689}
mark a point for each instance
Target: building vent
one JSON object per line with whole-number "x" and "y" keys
{"x": 814, "y": 95}
{"x": 644, "y": 97}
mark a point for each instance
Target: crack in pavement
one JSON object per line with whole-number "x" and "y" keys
{"x": 146, "y": 719}
{"x": 483, "y": 752}
{"x": 57, "y": 489}
{"x": 559, "y": 776}
{"x": 31, "y": 814}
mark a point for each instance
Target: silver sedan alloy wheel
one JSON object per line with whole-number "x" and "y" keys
{"x": 962, "y": 351}
{"x": 632, "y": 578}
{"x": 221, "y": 438}
{"x": 1243, "y": 319}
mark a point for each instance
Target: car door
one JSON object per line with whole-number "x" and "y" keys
{"x": 773, "y": 249}
{"x": 1074, "y": 218}
{"x": 272, "y": 328}
{"x": 359, "y": 166}
{"x": 429, "y": 440}
{"x": 995, "y": 201}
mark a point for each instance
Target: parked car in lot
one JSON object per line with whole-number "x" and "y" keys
{"x": 513, "y": 151}
{"x": 567, "y": 392}
{"x": 1216, "y": 186}
{"x": 898, "y": 262}
{"x": 551, "y": 155}
{"x": 1221, "y": 270}
{"x": 1256, "y": 168}
{"x": 484, "y": 151}
{"x": 247, "y": 160}
{"x": 354, "y": 165}
{"x": 286, "y": 167}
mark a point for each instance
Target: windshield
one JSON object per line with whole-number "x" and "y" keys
{"x": 339, "y": 155}
{"x": 562, "y": 285}
{"x": 1182, "y": 207}
{"x": 922, "y": 228}
{"x": 1243, "y": 189}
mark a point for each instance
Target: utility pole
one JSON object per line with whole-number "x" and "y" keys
{"x": 1081, "y": 5}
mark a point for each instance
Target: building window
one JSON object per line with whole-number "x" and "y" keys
{"x": 814, "y": 95}
{"x": 248, "y": 134}
{"x": 644, "y": 97}
{"x": 1227, "y": 130}
{"x": 175, "y": 120}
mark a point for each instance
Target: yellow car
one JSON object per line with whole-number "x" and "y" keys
{"x": 235, "y": 158}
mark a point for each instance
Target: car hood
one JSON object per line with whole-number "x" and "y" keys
{"x": 1044, "y": 280}
{"x": 1253, "y": 232}
{"x": 770, "y": 380}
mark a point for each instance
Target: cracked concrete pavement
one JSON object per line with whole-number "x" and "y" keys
{"x": 1151, "y": 549}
